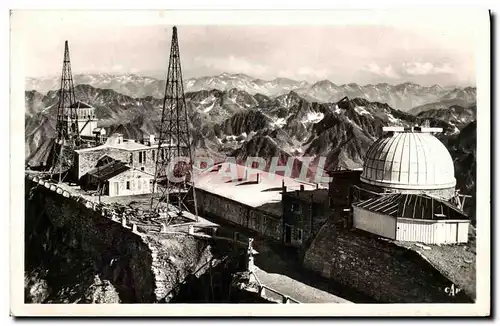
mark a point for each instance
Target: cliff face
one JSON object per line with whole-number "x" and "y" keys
{"x": 73, "y": 254}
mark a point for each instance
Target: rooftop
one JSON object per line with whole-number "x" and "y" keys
{"x": 117, "y": 141}
{"x": 108, "y": 170}
{"x": 409, "y": 159}
{"x": 239, "y": 183}
{"x": 81, "y": 105}
{"x": 413, "y": 206}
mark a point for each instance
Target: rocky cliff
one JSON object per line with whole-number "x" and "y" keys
{"x": 74, "y": 254}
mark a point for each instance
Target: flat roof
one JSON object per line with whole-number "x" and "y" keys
{"x": 126, "y": 144}
{"x": 239, "y": 183}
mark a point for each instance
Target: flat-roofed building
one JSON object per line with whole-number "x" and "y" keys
{"x": 244, "y": 196}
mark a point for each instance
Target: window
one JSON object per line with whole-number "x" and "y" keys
{"x": 145, "y": 155}
{"x": 294, "y": 207}
{"x": 299, "y": 234}
{"x": 128, "y": 185}
{"x": 132, "y": 158}
{"x": 142, "y": 168}
{"x": 140, "y": 157}
{"x": 153, "y": 155}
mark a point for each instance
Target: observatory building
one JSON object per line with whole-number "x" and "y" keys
{"x": 411, "y": 161}
{"x": 407, "y": 189}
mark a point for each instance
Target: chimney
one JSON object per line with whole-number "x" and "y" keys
{"x": 119, "y": 138}
{"x": 151, "y": 139}
{"x": 301, "y": 187}
{"x": 317, "y": 186}
{"x": 258, "y": 177}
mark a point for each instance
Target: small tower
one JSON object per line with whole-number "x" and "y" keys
{"x": 87, "y": 120}
{"x": 173, "y": 185}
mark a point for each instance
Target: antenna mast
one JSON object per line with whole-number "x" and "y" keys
{"x": 68, "y": 137}
{"x": 173, "y": 185}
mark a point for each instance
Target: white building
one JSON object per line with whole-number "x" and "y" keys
{"x": 413, "y": 175}
{"x": 115, "y": 178}
{"x": 87, "y": 120}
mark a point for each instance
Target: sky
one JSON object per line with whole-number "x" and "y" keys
{"x": 424, "y": 51}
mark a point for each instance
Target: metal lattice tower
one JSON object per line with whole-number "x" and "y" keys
{"x": 67, "y": 121}
{"x": 174, "y": 159}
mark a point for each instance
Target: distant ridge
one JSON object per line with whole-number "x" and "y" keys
{"x": 404, "y": 96}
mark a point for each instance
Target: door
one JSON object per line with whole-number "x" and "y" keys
{"x": 288, "y": 233}
{"x": 117, "y": 188}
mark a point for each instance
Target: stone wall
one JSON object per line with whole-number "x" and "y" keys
{"x": 119, "y": 253}
{"x": 143, "y": 267}
{"x": 266, "y": 223}
{"x": 87, "y": 160}
{"x": 139, "y": 159}
{"x": 381, "y": 269}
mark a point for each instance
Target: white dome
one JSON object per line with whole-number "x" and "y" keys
{"x": 409, "y": 160}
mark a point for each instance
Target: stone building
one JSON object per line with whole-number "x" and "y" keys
{"x": 246, "y": 197}
{"x": 138, "y": 156}
{"x": 304, "y": 212}
{"x": 115, "y": 178}
{"x": 340, "y": 187}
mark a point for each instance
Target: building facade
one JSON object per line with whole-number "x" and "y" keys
{"x": 138, "y": 156}
{"x": 114, "y": 178}
{"x": 304, "y": 212}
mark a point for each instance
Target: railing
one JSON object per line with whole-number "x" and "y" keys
{"x": 263, "y": 292}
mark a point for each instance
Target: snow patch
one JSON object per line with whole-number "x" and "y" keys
{"x": 314, "y": 117}
{"x": 280, "y": 122}
{"x": 361, "y": 111}
{"x": 392, "y": 119}
{"x": 206, "y": 110}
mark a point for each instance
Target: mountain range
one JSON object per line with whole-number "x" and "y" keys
{"x": 403, "y": 96}
{"x": 238, "y": 115}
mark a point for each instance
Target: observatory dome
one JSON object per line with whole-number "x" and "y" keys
{"x": 409, "y": 160}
